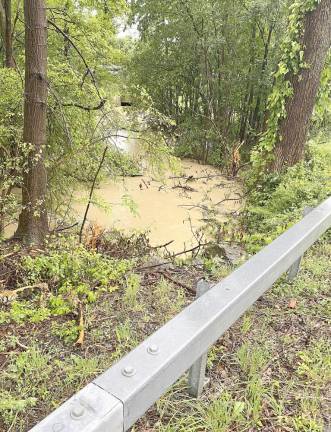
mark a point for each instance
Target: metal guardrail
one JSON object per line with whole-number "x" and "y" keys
{"x": 122, "y": 394}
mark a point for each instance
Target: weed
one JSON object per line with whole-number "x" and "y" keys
{"x": 162, "y": 292}
{"x": 67, "y": 331}
{"x": 79, "y": 370}
{"x": 131, "y": 290}
{"x": 315, "y": 362}
{"x": 246, "y": 324}
{"x": 252, "y": 358}
{"x": 224, "y": 414}
{"x": 125, "y": 339}
{"x": 10, "y": 406}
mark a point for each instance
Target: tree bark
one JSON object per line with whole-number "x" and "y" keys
{"x": 6, "y": 32}
{"x": 33, "y": 222}
{"x": 294, "y": 128}
{"x": 8, "y": 41}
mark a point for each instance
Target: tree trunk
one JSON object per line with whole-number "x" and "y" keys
{"x": 8, "y": 41}
{"x": 294, "y": 128}
{"x": 6, "y": 33}
{"x": 33, "y": 222}
{"x": 256, "y": 120}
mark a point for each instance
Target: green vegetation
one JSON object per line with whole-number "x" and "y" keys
{"x": 272, "y": 369}
{"x": 242, "y": 85}
{"x": 291, "y": 64}
{"x": 279, "y": 200}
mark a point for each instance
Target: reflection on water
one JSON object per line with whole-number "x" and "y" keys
{"x": 171, "y": 210}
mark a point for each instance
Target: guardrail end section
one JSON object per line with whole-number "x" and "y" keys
{"x": 92, "y": 409}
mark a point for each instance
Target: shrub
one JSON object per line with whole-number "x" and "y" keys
{"x": 279, "y": 203}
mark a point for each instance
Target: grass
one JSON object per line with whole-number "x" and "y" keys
{"x": 269, "y": 372}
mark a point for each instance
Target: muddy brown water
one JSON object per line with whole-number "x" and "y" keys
{"x": 171, "y": 209}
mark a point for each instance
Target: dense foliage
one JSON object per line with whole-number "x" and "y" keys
{"x": 291, "y": 63}
{"x": 81, "y": 113}
{"x": 279, "y": 201}
{"x": 208, "y": 66}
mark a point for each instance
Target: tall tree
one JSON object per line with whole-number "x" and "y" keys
{"x": 7, "y": 38}
{"x": 33, "y": 222}
{"x": 6, "y": 32}
{"x": 293, "y": 128}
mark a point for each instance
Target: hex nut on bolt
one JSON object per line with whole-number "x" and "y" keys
{"x": 153, "y": 349}
{"x": 77, "y": 412}
{"x": 58, "y": 427}
{"x": 128, "y": 371}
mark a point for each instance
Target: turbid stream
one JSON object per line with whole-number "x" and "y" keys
{"x": 171, "y": 209}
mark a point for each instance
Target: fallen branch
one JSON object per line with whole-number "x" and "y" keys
{"x": 163, "y": 245}
{"x": 176, "y": 282}
{"x": 18, "y": 343}
{"x": 81, "y": 337}
{"x": 186, "y": 188}
{"x": 8, "y": 255}
{"x": 10, "y": 295}
{"x": 192, "y": 178}
{"x": 172, "y": 256}
{"x": 240, "y": 197}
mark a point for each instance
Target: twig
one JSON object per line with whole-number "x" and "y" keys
{"x": 7, "y": 295}
{"x": 21, "y": 345}
{"x": 80, "y": 339}
{"x": 66, "y": 228}
{"x": 173, "y": 256}
{"x": 200, "y": 245}
{"x": 185, "y": 188}
{"x": 240, "y": 197}
{"x": 13, "y": 422}
{"x": 91, "y": 193}
{"x": 86, "y": 108}
{"x": 163, "y": 245}
{"x": 66, "y": 36}
{"x": 176, "y": 282}
{"x": 8, "y": 255}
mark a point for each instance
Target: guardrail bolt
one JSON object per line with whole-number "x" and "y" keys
{"x": 58, "y": 427}
{"x": 128, "y": 371}
{"x": 77, "y": 412}
{"x": 153, "y": 349}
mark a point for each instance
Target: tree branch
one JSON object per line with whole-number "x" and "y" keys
{"x": 66, "y": 36}
{"x": 91, "y": 193}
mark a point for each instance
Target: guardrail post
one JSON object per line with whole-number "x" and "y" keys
{"x": 197, "y": 374}
{"x": 295, "y": 267}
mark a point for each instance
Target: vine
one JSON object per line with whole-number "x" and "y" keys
{"x": 291, "y": 63}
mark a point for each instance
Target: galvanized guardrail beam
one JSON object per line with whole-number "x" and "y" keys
{"x": 134, "y": 383}
{"x": 197, "y": 373}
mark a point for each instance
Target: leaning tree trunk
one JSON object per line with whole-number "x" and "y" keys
{"x": 33, "y": 223}
{"x": 294, "y": 128}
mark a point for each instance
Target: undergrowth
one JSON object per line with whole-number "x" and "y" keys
{"x": 280, "y": 203}
{"x": 269, "y": 372}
